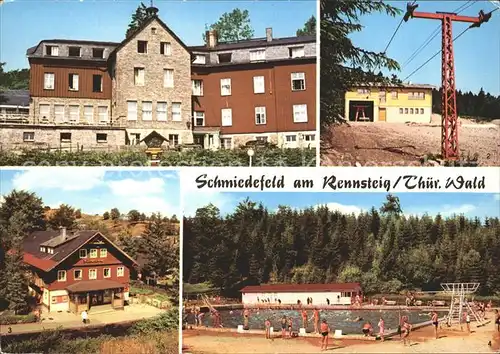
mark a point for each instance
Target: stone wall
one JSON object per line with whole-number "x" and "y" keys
{"x": 35, "y": 103}
{"x": 124, "y": 89}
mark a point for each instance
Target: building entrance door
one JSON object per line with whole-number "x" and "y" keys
{"x": 382, "y": 114}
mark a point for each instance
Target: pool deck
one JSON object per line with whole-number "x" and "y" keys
{"x": 325, "y": 307}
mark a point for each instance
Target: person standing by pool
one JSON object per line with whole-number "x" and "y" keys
{"x": 467, "y": 321}
{"x": 290, "y": 327}
{"x": 196, "y": 313}
{"x": 435, "y": 323}
{"x": 497, "y": 320}
{"x": 406, "y": 328}
{"x": 246, "y": 316}
{"x": 267, "y": 323}
{"x": 283, "y": 327}
{"x": 381, "y": 327}
{"x": 325, "y": 330}
{"x": 200, "y": 318}
{"x": 316, "y": 320}
{"x": 304, "y": 318}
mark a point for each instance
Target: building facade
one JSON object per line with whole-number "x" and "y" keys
{"x": 77, "y": 271}
{"x": 290, "y": 294}
{"x": 393, "y": 104}
{"x": 90, "y": 94}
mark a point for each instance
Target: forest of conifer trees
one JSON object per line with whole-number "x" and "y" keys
{"x": 383, "y": 249}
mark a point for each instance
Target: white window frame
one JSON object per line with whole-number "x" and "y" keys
{"x": 301, "y": 52}
{"x": 298, "y": 77}
{"x": 94, "y": 271}
{"x": 49, "y": 81}
{"x": 101, "y": 141}
{"x": 292, "y": 140}
{"x": 28, "y": 136}
{"x": 81, "y": 274}
{"x": 301, "y": 111}
{"x": 225, "y": 87}
{"x": 176, "y": 112}
{"x": 259, "y": 85}
{"x": 61, "y": 275}
{"x": 54, "y": 50}
{"x": 76, "y": 79}
{"x": 103, "y": 252}
{"x": 197, "y": 89}
{"x": 226, "y": 117}
{"x": 104, "y": 273}
{"x": 89, "y": 118}
{"x": 131, "y": 113}
{"x": 147, "y": 110}
{"x": 120, "y": 271}
{"x": 47, "y": 106}
{"x": 310, "y": 137}
{"x": 139, "y": 76}
{"x": 260, "y": 115}
{"x": 75, "y": 117}
{"x": 394, "y": 95}
{"x": 167, "y": 48}
{"x": 161, "y": 111}
{"x": 103, "y": 115}
{"x": 168, "y": 78}
{"x": 200, "y": 59}
{"x": 199, "y": 115}
{"x": 93, "y": 253}
{"x": 227, "y": 143}
{"x": 59, "y": 117}
{"x": 258, "y": 55}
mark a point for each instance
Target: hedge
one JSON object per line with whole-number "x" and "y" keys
{"x": 17, "y": 319}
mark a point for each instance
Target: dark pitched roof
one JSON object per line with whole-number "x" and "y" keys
{"x": 72, "y": 41}
{"x": 300, "y": 288}
{"x": 255, "y": 43}
{"x": 144, "y": 25}
{"x": 15, "y": 98}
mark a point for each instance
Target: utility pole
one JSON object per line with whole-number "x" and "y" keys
{"x": 449, "y": 116}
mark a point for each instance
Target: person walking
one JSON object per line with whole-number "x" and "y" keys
{"x": 85, "y": 317}
{"x": 435, "y": 323}
{"x": 325, "y": 330}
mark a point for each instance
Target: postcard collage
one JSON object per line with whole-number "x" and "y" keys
{"x": 273, "y": 176}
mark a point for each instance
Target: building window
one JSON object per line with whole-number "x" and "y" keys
{"x": 260, "y": 115}
{"x": 256, "y": 55}
{"x": 227, "y": 117}
{"x": 96, "y": 83}
{"x": 107, "y": 272}
{"x": 98, "y": 53}
{"x": 74, "y": 114}
{"x": 200, "y": 59}
{"x": 153, "y": 30}
{"x": 298, "y": 81}
{"x": 65, "y": 137}
{"x": 225, "y": 87}
{"x": 224, "y": 57}
{"x": 83, "y": 253}
{"x": 48, "y": 81}
{"x": 78, "y": 274}
{"x": 61, "y": 275}
{"x": 258, "y": 84}
{"x": 411, "y": 110}
{"x": 131, "y": 110}
{"x": 74, "y": 51}
{"x": 59, "y": 113}
{"x": 44, "y": 111}
{"x": 101, "y": 138}
{"x": 176, "y": 112}
{"x": 291, "y": 138}
{"x": 416, "y": 95}
{"x": 50, "y": 250}
{"x": 165, "y": 48}
{"x": 93, "y": 253}
{"x": 120, "y": 272}
{"x": 136, "y": 138}
{"x": 168, "y": 78}
{"x": 73, "y": 82}
{"x": 161, "y": 111}
{"x": 29, "y": 136}
{"x": 394, "y": 95}
{"x": 363, "y": 91}
{"x": 309, "y": 137}
{"x": 88, "y": 114}
{"x": 142, "y": 47}
{"x": 173, "y": 139}
{"x": 199, "y": 119}
{"x": 52, "y": 50}
{"x": 102, "y": 111}
{"x": 401, "y": 111}
{"x": 261, "y": 138}
{"x": 227, "y": 143}
{"x": 421, "y": 111}
{"x": 300, "y": 113}
{"x": 406, "y": 110}
{"x": 296, "y": 52}
{"x": 197, "y": 87}
{"x": 147, "y": 110}
{"x": 139, "y": 76}
{"x": 42, "y": 249}
{"x": 103, "y": 252}
{"x": 92, "y": 273}
{"x": 59, "y": 299}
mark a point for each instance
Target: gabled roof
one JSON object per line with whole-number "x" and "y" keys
{"x": 144, "y": 25}
{"x": 153, "y": 134}
{"x": 301, "y": 288}
{"x": 48, "y": 261}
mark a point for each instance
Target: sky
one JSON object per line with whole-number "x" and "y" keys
{"x": 107, "y": 20}
{"x": 447, "y": 204}
{"x": 477, "y": 52}
{"x": 95, "y": 191}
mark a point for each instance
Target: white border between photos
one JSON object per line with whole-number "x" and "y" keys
{"x": 318, "y": 83}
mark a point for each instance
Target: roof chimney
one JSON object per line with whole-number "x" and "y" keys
{"x": 62, "y": 235}
{"x": 211, "y": 38}
{"x": 269, "y": 34}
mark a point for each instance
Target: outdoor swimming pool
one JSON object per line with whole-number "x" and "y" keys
{"x": 337, "y": 319}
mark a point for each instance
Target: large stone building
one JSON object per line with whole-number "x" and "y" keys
{"x": 90, "y": 95}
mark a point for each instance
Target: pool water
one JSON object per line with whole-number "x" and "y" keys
{"x": 337, "y": 319}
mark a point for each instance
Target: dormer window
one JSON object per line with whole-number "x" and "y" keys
{"x": 52, "y": 50}
{"x": 74, "y": 51}
{"x": 98, "y": 53}
{"x": 50, "y": 250}
{"x": 256, "y": 55}
{"x": 200, "y": 59}
{"x": 225, "y": 58}
{"x": 142, "y": 47}
{"x": 42, "y": 249}
{"x": 93, "y": 253}
{"x": 296, "y": 52}
{"x": 83, "y": 253}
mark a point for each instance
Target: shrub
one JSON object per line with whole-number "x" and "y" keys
{"x": 15, "y": 319}
{"x": 168, "y": 320}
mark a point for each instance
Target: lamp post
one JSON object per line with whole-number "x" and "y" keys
{"x": 250, "y": 153}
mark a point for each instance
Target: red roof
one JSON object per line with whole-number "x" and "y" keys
{"x": 43, "y": 264}
{"x": 301, "y": 288}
